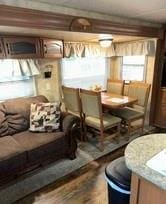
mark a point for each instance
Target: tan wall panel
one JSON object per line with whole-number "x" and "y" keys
{"x": 115, "y": 68}
{"x": 49, "y": 87}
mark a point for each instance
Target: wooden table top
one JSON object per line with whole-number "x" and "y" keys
{"x": 111, "y": 100}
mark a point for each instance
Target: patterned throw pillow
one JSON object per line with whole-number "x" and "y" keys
{"x": 44, "y": 117}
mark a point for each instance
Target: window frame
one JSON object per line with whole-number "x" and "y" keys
{"x": 33, "y": 81}
{"x": 107, "y": 72}
{"x": 144, "y": 71}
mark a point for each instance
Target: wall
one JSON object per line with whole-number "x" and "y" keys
{"x": 115, "y": 69}
{"x": 115, "y": 73}
{"x": 149, "y": 72}
{"x": 150, "y": 69}
{"x": 53, "y": 7}
{"x": 49, "y": 87}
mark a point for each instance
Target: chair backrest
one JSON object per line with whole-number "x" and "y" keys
{"x": 115, "y": 86}
{"x": 71, "y": 99}
{"x": 141, "y": 91}
{"x": 91, "y": 103}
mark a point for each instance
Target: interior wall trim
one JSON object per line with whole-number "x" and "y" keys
{"x": 22, "y": 17}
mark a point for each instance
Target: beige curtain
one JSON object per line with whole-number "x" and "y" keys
{"x": 18, "y": 68}
{"x": 78, "y": 49}
{"x": 28, "y": 67}
{"x": 144, "y": 47}
{"x": 67, "y": 49}
{"x": 95, "y": 50}
{"x": 141, "y": 47}
{"x": 87, "y": 50}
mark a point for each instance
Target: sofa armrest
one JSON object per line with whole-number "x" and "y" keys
{"x": 68, "y": 121}
{"x": 70, "y": 125}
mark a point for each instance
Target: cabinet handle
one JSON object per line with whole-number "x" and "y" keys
{"x": 8, "y": 49}
{"x": 45, "y": 49}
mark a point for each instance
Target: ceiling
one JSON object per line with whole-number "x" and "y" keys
{"x": 64, "y": 35}
{"x": 152, "y": 10}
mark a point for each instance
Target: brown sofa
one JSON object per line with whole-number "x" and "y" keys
{"x": 21, "y": 149}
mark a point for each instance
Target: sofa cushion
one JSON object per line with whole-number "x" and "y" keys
{"x": 3, "y": 124}
{"x": 12, "y": 155}
{"x": 44, "y": 117}
{"x": 16, "y": 123}
{"x": 22, "y": 105}
{"x": 13, "y": 124}
{"x": 15, "y": 113}
{"x": 40, "y": 145}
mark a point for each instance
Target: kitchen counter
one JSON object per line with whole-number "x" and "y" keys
{"x": 147, "y": 185}
{"x": 139, "y": 151}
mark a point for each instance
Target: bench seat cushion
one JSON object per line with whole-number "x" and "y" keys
{"x": 12, "y": 155}
{"x": 128, "y": 113}
{"x": 40, "y": 145}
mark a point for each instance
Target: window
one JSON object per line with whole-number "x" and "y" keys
{"x": 133, "y": 68}
{"x": 14, "y": 86}
{"x": 84, "y": 72}
{"x": 14, "y": 89}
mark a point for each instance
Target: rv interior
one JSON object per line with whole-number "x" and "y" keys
{"x": 82, "y": 104}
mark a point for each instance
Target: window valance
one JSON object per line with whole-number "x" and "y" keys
{"x": 142, "y": 47}
{"x": 17, "y": 69}
{"x": 87, "y": 50}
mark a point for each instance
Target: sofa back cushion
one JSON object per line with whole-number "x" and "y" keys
{"x": 22, "y": 105}
{"x": 15, "y": 114}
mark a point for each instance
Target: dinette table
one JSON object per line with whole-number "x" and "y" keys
{"x": 110, "y": 100}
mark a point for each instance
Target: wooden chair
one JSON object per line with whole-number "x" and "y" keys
{"x": 94, "y": 116}
{"x": 115, "y": 86}
{"x": 138, "y": 111}
{"x": 72, "y": 103}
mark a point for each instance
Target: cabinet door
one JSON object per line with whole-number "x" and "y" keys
{"x": 22, "y": 47}
{"x": 160, "y": 119}
{"x": 145, "y": 192}
{"x": 2, "y": 52}
{"x": 163, "y": 77}
{"x": 52, "y": 48}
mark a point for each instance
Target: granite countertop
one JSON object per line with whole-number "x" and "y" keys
{"x": 139, "y": 151}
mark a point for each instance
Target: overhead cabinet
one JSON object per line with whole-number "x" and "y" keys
{"x": 2, "y": 51}
{"x": 52, "y": 48}
{"x": 22, "y": 47}
{"x": 160, "y": 115}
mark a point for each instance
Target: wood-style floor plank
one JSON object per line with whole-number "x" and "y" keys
{"x": 84, "y": 186}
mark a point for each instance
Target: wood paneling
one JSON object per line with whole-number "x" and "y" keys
{"x": 160, "y": 112}
{"x": 22, "y": 47}
{"x": 135, "y": 183}
{"x": 144, "y": 192}
{"x": 52, "y": 48}
{"x": 163, "y": 95}
{"x": 158, "y": 101}
{"x": 13, "y": 16}
{"x": 115, "y": 28}
{"x": 2, "y": 51}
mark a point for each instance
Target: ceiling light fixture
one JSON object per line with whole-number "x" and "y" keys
{"x": 105, "y": 42}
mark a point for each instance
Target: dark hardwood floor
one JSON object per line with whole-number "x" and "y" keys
{"x": 86, "y": 185}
